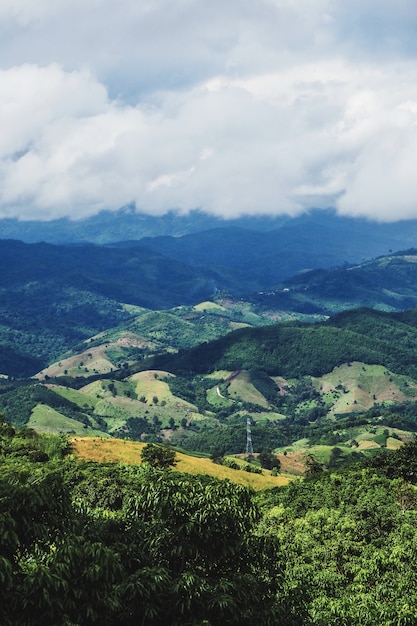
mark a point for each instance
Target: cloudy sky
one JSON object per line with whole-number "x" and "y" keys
{"x": 232, "y": 106}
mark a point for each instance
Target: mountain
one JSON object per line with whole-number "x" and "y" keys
{"x": 296, "y": 349}
{"x": 282, "y": 245}
{"x": 388, "y": 283}
{"x": 53, "y": 297}
{"x": 319, "y": 240}
{"x": 124, "y": 224}
{"x": 351, "y": 380}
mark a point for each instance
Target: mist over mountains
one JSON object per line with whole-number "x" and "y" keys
{"x": 326, "y": 234}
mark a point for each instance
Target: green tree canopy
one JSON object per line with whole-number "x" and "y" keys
{"x": 158, "y": 456}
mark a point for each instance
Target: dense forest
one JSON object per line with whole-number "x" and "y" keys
{"x": 86, "y": 543}
{"x": 54, "y": 298}
{"x": 296, "y": 349}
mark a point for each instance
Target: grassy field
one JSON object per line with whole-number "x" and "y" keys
{"x": 90, "y": 361}
{"x": 209, "y": 306}
{"x": 47, "y": 420}
{"x": 241, "y": 387}
{"x": 356, "y": 387}
{"x": 123, "y": 451}
{"x": 77, "y": 397}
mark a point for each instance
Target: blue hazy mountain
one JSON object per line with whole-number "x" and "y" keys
{"x": 265, "y": 249}
{"x": 357, "y": 238}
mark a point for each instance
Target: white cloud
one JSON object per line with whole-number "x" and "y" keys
{"x": 231, "y": 107}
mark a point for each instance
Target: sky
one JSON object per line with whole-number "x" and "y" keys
{"x": 234, "y": 107}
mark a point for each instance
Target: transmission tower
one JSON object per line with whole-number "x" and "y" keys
{"x": 249, "y": 447}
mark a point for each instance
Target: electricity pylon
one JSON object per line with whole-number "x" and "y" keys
{"x": 249, "y": 447}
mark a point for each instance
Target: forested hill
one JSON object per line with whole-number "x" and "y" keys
{"x": 388, "y": 282}
{"x": 89, "y": 543}
{"x": 53, "y": 297}
{"x": 134, "y": 275}
{"x": 296, "y": 349}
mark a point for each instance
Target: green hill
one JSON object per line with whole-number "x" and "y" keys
{"x": 297, "y": 349}
{"x": 387, "y": 283}
{"x": 349, "y": 382}
{"x": 54, "y": 298}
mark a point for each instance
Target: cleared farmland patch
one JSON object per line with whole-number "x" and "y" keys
{"x": 123, "y": 451}
{"x": 47, "y": 420}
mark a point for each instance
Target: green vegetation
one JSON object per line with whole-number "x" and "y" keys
{"x": 87, "y": 543}
{"x": 115, "y": 544}
{"x": 387, "y": 283}
{"x": 297, "y": 349}
{"x": 346, "y": 413}
{"x": 161, "y": 457}
{"x": 55, "y": 298}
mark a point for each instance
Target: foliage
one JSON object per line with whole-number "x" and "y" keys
{"x": 348, "y": 542}
{"x": 88, "y": 544}
{"x": 161, "y": 457}
{"x": 296, "y": 350}
{"x": 192, "y": 390}
{"x": 18, "y": 404}
{"x": 399, "y": 464}
{"x": 264, "y": 384}
{"x": 268, "y": 460}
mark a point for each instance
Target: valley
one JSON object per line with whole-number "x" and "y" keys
{"x": 112, "y": 354}
{"x": 318, "y": 363}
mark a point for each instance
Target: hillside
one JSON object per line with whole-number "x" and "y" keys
{"x": 54, "y": 298}
{"x": 387, "y": 283}
{"x": 156, "y": 332}
{"x": 296, "y": 349}
{"x": 119, "y": 451}
{"x": 341, "y": 238}
{"x": 348, "y": 384}
{"x": 127, "y": 542}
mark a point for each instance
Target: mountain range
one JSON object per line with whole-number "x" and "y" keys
{"x": 54, "y": 298}
{"x": 182, "y": 337}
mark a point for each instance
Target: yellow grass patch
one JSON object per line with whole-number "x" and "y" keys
{"x": 366, "y": 445}
{"x": 208, "y": 306}
{"x": 393, "y": 443}
{"x": 124, "y": 451}
{"x": 292, "y": 463}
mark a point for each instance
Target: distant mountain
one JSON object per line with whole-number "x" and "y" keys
{"x": 279, "y": 246}
{"x": 124, "y": 224}
{"x": 319, "y": 240}
{"x": 387, "y": 283}
{"x": 52, "y": 297}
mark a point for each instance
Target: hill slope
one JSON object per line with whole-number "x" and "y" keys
{"x": 388, "y": 283}
{"x": 297, "y": 349}
{"x": 53, "y": 298}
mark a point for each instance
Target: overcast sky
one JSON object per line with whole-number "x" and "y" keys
{"x": 232, "y": 106}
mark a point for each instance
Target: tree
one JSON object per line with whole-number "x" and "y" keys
{"x": 313, "y": 467}
{"x": 158, "y": 456}
{"x": 268, "y": 460}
